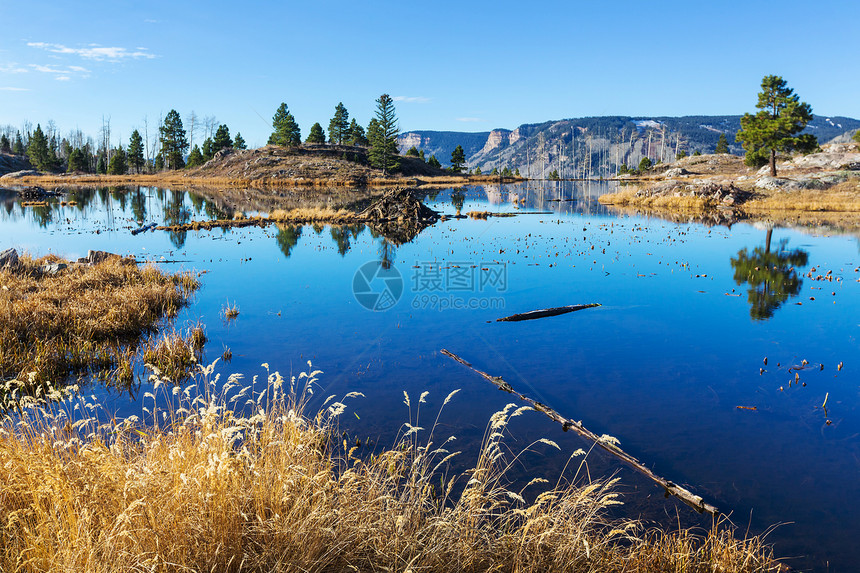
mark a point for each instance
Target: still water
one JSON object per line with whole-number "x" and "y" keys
{"x": 689, "y": 313}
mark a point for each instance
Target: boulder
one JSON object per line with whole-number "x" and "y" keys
{"x": 95, "y": 257}
{"x": 52, "y": 268}
{"x": 676, "y": 172}
{"x": 9, "y": 258}
{"x": 19, "y": 174}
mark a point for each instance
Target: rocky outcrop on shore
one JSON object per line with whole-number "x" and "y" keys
{"x": 717, "y": 192}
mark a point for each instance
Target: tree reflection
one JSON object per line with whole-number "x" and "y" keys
{"x": 288, "y": 236}
{"x": 458, "y": 199}
{"x": 175, "y": 213}
{"x": 343, "y": 236}
{"x": 771, "y": 275}
{"x": 138, "y": 206}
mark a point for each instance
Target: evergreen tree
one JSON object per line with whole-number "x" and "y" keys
{"x": 195, "y": 158}
{"x": 286, "y": 131}
{"x": 356, "y": 134}
{"x": 645, "y": 164}
{"x": 173, "y": 141}
{"x": 5, "y": 144}
{"x": 433, "y": 162}
{"x": 856, "y": 136}
{"x": 78, "y": 162}
{"x": 38, "y": 151}
{"x": 773, "y": 128}
{"x": 207, "y": 149}
{"x": 101, "y": 165}
{"x": 135, "y": 151}
{"x": 477, "y": 170}
{"x": 682, "y": 154}
{"x": 383, "y": 142}
{"x": 458, "y": 158}
{"x": 222, "y": 139}
{"x": 316, "y": 134}
{"x": 339, "y": 126}
{"x": 159, "y": 162}
{"x": 421, "y": 155}
{"x": 18, "y": 146}
{"x": 722, "y": 144}
{"x": 118, "y": 164}
{"x": 413, "y": 152}
{"x": 239, "y": 142}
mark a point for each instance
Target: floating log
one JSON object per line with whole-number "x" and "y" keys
{"x": 533, "y": 314}
{"x": 144, "y": 229}
{"x": 671, "y": 488}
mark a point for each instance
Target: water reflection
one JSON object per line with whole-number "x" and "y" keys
{"x": 288, "y": 237}
{"x": 772, "y": 276}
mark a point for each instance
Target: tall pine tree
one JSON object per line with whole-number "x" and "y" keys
{"x": 356, "y": 134}
{"x": 722, "y": 144}
{"x": 239, "y": 142}
{"x": 222, "y": 139}
{"x": 173, "y": 141}
{"x": 286, "y": 131}
{"x": 458, "y": 158}
{"x": 135, "y": 151}
{"x": 38, "y": 151}
{"x": 773, "y": 128}
{"x": 338, "y": 127}
{"x": 383, "y": 140}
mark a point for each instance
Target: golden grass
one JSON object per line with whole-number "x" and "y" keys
{"x": 313, "y": 215}
{"x": 484, "y": 215}
{"x": 197, "y": 487}
{"x": 628, "y": 198}
{"x": 175, "y": 355}
{"x": 843, "y": 197}
{"x": 82, "y": 318}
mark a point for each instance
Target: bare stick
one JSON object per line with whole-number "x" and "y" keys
{"x": 533, "y": 314}
{"x": 671, "y": 488}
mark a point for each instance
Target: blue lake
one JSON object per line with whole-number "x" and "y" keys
{"x": 679, "y": 342}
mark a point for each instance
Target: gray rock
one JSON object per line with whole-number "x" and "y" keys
{"x": 9, "y": 258}
{"x": 676, "y": 172}
{"x": 53, "y": 268}
{"x": 19, "y": 174}
{"x": 95, "y": 257}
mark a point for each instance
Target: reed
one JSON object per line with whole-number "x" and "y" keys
{"x": 83, "y": 317}
{"x": 193, "y": 485}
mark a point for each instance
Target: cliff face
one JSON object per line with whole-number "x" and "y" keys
{"x": 596, "y": 146}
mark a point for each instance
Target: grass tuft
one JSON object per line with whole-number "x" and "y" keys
{"x": 193, "y": 485}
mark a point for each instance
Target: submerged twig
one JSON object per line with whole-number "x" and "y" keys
{"x": 671, "y": 488}
{"x": 544, "y": 312}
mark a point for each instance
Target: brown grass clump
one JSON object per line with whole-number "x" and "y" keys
{"x": 199, "y": 488}
{"x": 175, "y": 355}
{"x": 313, "y": 215}
{"x": 843, "y": 197}
{"x": 80, "y": 319}
{"x": 629, "y": 198}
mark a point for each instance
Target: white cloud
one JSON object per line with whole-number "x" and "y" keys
{"x": 95, "y": 52}
{"x": 12, "y": 69}
{"x": 62, "y": 73}
{"x": 11, "y": 89}
{"x": 470, "y": 119}
{"x": 412, "y": 99}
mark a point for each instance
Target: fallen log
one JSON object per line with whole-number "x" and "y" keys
{"x": 143, "y": 229}
{"x": 670, "y": 488}
{"x": 544, "y": 312}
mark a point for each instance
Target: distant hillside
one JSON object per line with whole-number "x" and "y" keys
{"x": 596, "y": 146}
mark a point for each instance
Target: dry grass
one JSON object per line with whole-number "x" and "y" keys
{"x": 686, "y": 203}
{"x": 483, "y": 215}
{"x": 843, "y": 197}
{"x": 230, "y": 312}
{"x": 313, "y": 215}
{"x": 196, "y": 487}
{"x": 175, "y": 355}
{"x": 82, "y": 318}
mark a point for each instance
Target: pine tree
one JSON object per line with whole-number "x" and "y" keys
{"x": 316, "y": 134}
{"x": 78, "y": 162}
{"x": 286, "y": 131}
{"x": 773, "y": 128}
{"x": 118, "y": 164}
{"x": 356, "y": 134}
{"x": 222, "y": 139}
{"x": 383, "y": 140}
{"x": 458, "y": 158}
{"x": 195, "y": 158}
{"x": 239, "y": 142}
{"x": 207, "y": 149}
{"x": 413, "y": 152}
{"x": 338, "y": 127}
{"x": 5, "y": 144}
{"x": 722, "y": 144}
{"x": 18, "y": 146}
{"x": 856, "y": 136}
{"x": 421, "y": 155}
{"x": 159, "y": 162}
{"x": 40, "y": 155}
{"x": 645, "y": 164}
{"x": 433, "y": 162}
{"x": 101, "y": 165}
{"x": 135, "y": 151}
{"x": 173, "y": 141}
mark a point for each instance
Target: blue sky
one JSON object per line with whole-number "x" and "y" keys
{"x": 465, "y": 66}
